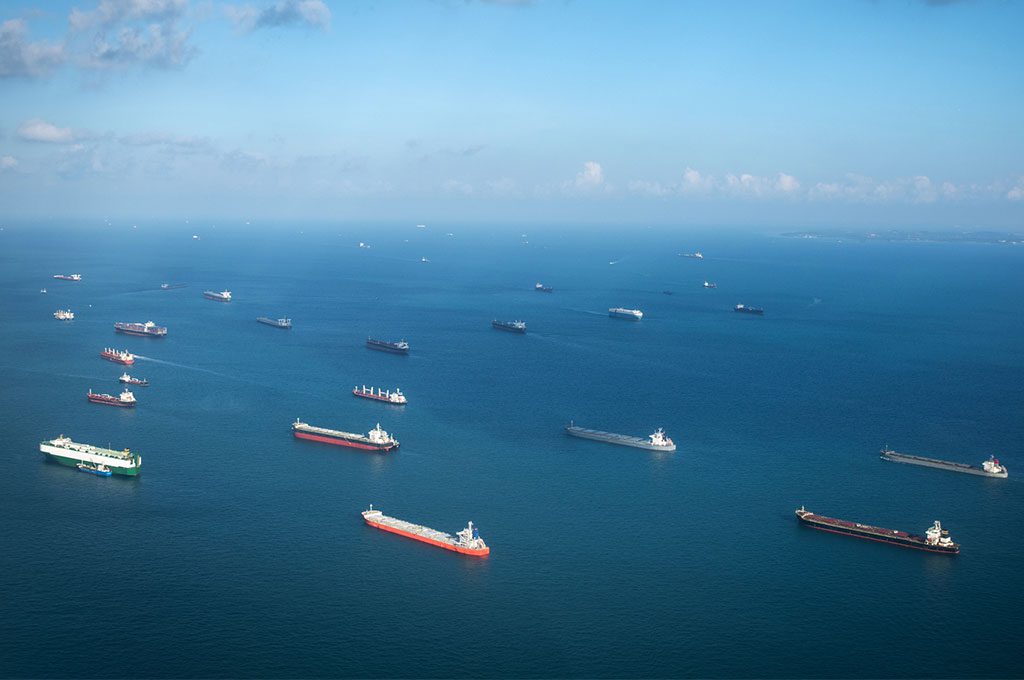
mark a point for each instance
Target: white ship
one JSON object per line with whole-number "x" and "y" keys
{"x": 223, "y": 296}
{"x": 64, "y": 315}
{"x": 623, "y": 313}
{"x": 67, "y": 452}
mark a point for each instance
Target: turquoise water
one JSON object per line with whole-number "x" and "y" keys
{"x": 240, "y": 551}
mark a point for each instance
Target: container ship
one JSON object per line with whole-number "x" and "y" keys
{"x": 376, "y": 440}
{"x": 510, "y": 326}
{"x": 118, "y": 356}
{"x": 541, "y": 288}
{"x": 695, "y": 255}
{"x": 129, "y": 380}
{"x": 989, "y": 468}
{"x": 466, "y": 542}
{"x": 148, "y": 329}
{"x": 68, "y": 277}
{"x": 400, "y": 347}
{"x": 623, "y": 313}
{"x": 125, "y": 400}
{"x": 653, "y": 442}
{"x": 67, "y": 452}
{"x": 64, "y": 315}
{"x": 389, "y": 397}
{"x": 743, "y": 309}
{"x": 935, "y": 539}
{"x": 223, "y": 296}
{"x": 276, "y": 323}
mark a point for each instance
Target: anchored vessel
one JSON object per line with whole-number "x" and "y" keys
{"x": 68, "y": 277}
{"x": 172, "y": 286}
{"x": 223, "y": 296}
{"x": 376, "y": 440}
{"x": 623, "y": 313}
{"x": 126, "y": 399}
{"x": 67, "y": 452}
{"x": 989, "y": 468}
{"x": 510, "y": 326}
{"x": 743, "y": 309}
{"x": 695, "y": 255}
{"x": 541, "y": 288}
{"x": 149, "y": 329}
{"x": 653, "y": 442}
{"x": 64, "y": 315}
{"x": 121, "y": 356}
{"x": 93, "y": 469}
{"x": 467, "y": 541}
{"x": 390, "y": 397}
{"x": 400, "y": 347}
{"x": 708, "y": 284}
{"x": 276, "y": 323}
{"x": 128, "y": 380}
{"x": 935, "y": 539}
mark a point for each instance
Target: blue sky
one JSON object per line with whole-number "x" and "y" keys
{"x": 847, "y": 112}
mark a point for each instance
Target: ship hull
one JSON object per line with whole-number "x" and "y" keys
{"x": 143, "y": 334}
{"x": 941, "y": 465}
{"x": 116, "y": 467}
{"x": 110, "y": 402}
{"x": 619, "y": 315}
{"x": 338, "y": 441}
{"x": 376, "y": 397}
{"x": 385, "y": 348}
{"x": 118, "y": 360}
{"x": 423, "y": 539}
{"x": 216, "y": 298}
{"x": 878, "y": 538}
{"x": 616, "y": 439}
{"x": 508, "y": 329}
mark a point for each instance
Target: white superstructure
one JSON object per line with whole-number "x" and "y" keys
{"x": 64, "y": 315}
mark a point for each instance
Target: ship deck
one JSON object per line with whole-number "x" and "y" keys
{"x": 74, "y": 447}
{"x": 304, "y": 427}
{"x": 410, "y": 528}
{"x": 606, "y": 436}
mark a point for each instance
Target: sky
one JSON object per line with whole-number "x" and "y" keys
{"x": 838, "y": 113}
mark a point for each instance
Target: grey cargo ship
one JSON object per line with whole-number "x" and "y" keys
{"x": 654, "y": 442}
{"x": 989, "y": 468}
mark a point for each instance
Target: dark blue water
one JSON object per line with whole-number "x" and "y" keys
{"x": 240, "y": 551}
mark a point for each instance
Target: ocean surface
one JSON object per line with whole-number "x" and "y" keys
{"x": 240, "y": 551}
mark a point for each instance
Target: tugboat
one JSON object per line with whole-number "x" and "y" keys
{"x": 389, "y": 397}
{"x": 743, "y": 309}
{"x": 128, "y": 380}
{"x": 118, "y": 356}
{"x": 708, "y": 284}
{"x": 126, "y": 399}
{"x": 510, "y": 326}
{"x": 223, "y": 296}
{"x": 95, "y": 469}
{"x": 400, "y": 347}
{"x": 541, "y": 288}
{"x": 64, "y": 315}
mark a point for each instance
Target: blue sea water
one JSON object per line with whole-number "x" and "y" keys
{"x": 240, "y": 551}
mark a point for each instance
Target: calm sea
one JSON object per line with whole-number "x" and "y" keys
{"x": 240, "y": 551}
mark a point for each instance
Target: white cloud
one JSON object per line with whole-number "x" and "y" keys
{"x": 590, "y": 177}
{"x": 306, "y": 13}
{"x": 1016, "y": 193}
{"x": 21, "y": 58}
{"x": 125, "y": 33}
{"x": 696, "y": 183}
{"x": 787, "y": 184}
{"x": 38, "y": 130}
{"x": 8, "y": 162}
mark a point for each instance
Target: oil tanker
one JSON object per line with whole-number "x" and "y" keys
{"x": 66, "y": 452}
{"x": 653, "y": 442}
{"x": 466, "y": 542}
{"x": 125, "y": 400}
{"x": 935, "y": 539}
{"x": 148, "y": 329}
{"x": 376, "y": 440}
{"x": 989, "y": 468}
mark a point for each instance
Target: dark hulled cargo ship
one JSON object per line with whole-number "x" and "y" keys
{"x": 743, "y": 309}
{"x": 510, "y": 326}
{"x": 400, "y": 347}
{"x": 989, "y": 468}
{"x": 148, "y": 329}
{"x": 936, "y": 539}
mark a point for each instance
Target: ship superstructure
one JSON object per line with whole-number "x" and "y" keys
{"x": 376, "y": 440}
{"x": 657, "y": 441}
{"x": 148, "y": 329}
{"x": 66, "y": 452}
{"x": 467, "y": 541}
{"x": 989, "y": 468}
{"x": 623, "y": 313}
{"x": 388, "y": 396}
{"x": 118, "y": 356}
{"x": 935, "y": 539}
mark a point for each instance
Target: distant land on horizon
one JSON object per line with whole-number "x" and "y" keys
{"x": 894, "y": 235}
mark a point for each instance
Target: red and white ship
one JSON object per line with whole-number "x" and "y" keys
{"x": 146, "y": 329}
{"x": 126, "y": 399}
{"x": 118, "y": 356}
{"x": 466, "y": 542}
{"x": 376, "y": 440}
{"x": 68, "y": 277}
{"x": 388, "y": 397}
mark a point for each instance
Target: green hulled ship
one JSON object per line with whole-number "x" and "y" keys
{"x": 67, "y": 452}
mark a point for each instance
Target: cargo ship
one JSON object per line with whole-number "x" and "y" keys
{"x": 623, "y": 313}
{"x": 510, "y": 326}
{"x": 400, "y": 347}
{"x": 541, "y": 288}
{"x": 64, "y": 315}
{"x": 935, "y": 539}
{"x": 466, "y": 542}
{"x": 67, "y": 452}
{"x": 276, "y": 323}
{"x": 125, "y": 400}
{"x": 695, "y": 255}
{"x": 743, "y": 309}
{"x": 128, "y": 380}
{"x": 989, "y": 468}
{"x": 389, "y": 397}
{"x": 68, "y": 277}
{"x": 148, "y": 329}
{"x": 708, "y": 284}
{"x": 94, "y": 469}
{"x": 223, "y": 296}
{"x": 172, "y": 286}
{"x": 653, "y": 442}
{"x": 376, "y": 440}
{"x": 118, "y": 356}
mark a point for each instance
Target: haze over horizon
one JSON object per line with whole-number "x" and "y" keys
{"x": 844, "y": 114}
